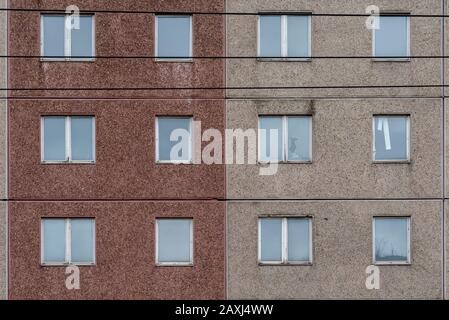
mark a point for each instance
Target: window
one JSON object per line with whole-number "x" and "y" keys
{"x": 391, "y": 241}
{"x": 174, "y": 241}
{"x": 63, "y": 39}
{"x": 174, "y": 37}
{"x": 174, "y": 139}
{"x": 285, "y": 240}
{"x": 68, "y": 241}
{"x": 285, "y": 36}
{"x": 391, "y": 136}
{"x": 294, "y": 138}
{"x": 392, "y": 40}
{"x": 68, "y": 139}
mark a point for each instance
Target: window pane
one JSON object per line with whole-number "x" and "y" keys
{"x": 270, "y": 36}
{"x": 391, "y": 38}
{"x": 173, "y": 36}
{"x": 391, "y": 138}
{"x": 299, "y": 138}
{"x": 82, "y": 38}
{"x": 271, "y": 239}
{"x": 53, "y": 33}
{"x": 82, "y": 141}
{"x": 391, "y": 239}
{"x": 54, "y": 240}
{"x": 174, "y": 240}
{"x": 82, "y": 240}
{"x": 298, "y": 36}
{"x": 54, "y": 138}
{"x": 298, "y": 240}
{"x": 179, "y": 149}
{"x": 270, "y": 150}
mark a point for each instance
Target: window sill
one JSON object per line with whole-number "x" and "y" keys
{"x": 175, "y": 265}
{"x": 393, "y": 263}
{"x": 287, "y": 264}
{"x": 407, "y": 162}
{"x": 174, "y": 163}
{"x": 44, "y": 265}
{"x": 260, "y": 59}
{"x": 67, "y": 60}
{"x": 391, "y": 59}
{"x": 68, "y": 162}
{"x": 261, "y": 163}
{"x": 174, "y": 60}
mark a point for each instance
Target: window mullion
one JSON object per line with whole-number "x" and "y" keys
{"x": 284, "y": 241}
{"x": 68, "y": 139}
{"x": 284, "y": 36}
{"x": 94, "y": 155}
{"x": 68, "y": 241}
{"x": 191, "y": 38}
{"x": 285, "y": 139}
{"x": 191, "y": 140}
{"x": 192, "y": 241}
{"x": 68, "y": 37}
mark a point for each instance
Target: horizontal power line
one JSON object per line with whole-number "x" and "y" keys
{"x": 222, "y": 199}
{"x": 64, "y": 58}
{"x": 215, "y": 98}
{"x": 227, "y": 88}
{"x": 223, "y": 13}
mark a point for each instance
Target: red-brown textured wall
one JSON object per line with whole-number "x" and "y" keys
{"x": 119, "y": 35}
{"x": 121, "y": 190}
{"x": 125, "y": 159}
{"x": 125, "y": 256}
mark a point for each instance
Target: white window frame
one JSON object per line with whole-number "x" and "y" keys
{"x": 409, "y": 255}
{"x": 67, "y": 40}
{"x": 284, "y": 37}
{"x": 174, "y": 263}
{"x": 191, "y": 141}
{"x": 68, "y": 243}
{"x": 68, "y": 141}
{"x": 285, "y": 138}
{"x": 373, "y": 32}
{"x": 284, "y": 237}
{"x": 407, "y": 160}
{"x": 156, "y": 40}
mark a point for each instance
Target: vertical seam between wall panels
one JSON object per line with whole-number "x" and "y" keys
{"x": 443, "y": 145}
{"x": 7, "y": 285}
{"x": 225, "y": 71}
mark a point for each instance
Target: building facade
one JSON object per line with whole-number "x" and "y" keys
{"x": 360, "y": 180}
{"x": 343, "y": 190}
{"x": 90, "y": 179}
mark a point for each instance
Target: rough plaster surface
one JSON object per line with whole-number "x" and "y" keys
{"x": 125, "y": 142}
{"x": 334, "y": 36}
{"x": 120, "y": 35}
{"x": 125, "y": 242}
{"x": 342, "y": 165}
{"x": 3, "y": 251}
{"x": 446, "y": 247}
{"x": 125, "y": 152}
{"x": 3, "y": 154}
{"x": 342, "y": 245}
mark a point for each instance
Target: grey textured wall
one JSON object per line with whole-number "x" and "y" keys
{"x": 342, "y": 188}
{"x": 342, "y": 242}
{"x": 342, "y": 164}
{"x": 334, "y": 36}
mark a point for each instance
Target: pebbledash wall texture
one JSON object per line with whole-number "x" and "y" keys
{"x": 340, "y": 189}
{"x": 3, "y": 154}
{"x": 125, "y": 190}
